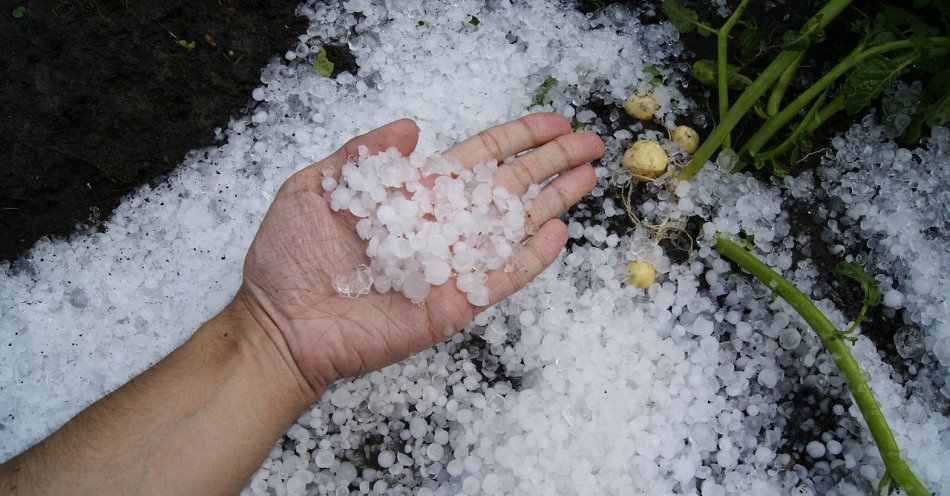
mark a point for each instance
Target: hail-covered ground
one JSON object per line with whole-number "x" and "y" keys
{"x": 578, "y": 384}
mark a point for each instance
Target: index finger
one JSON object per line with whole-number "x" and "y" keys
{"x": 402, "y": 134}
{"x": 510, "y": 138}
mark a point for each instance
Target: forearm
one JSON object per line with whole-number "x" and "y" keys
{"x": 198, "y": 422}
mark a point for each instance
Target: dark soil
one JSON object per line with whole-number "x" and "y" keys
{"x": 100, "y": 96}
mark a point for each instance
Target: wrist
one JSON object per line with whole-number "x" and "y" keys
{"x": 260, "y": 340}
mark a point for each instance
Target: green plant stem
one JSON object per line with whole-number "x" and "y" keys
{"x": 778, "y": 121}
{"x": 759, "y": 111}
{"x": 812, "y": 121}
{"x": 831, "y": 108}
{"x": 858, "y": 319}
{"x": 727, "y": 122}
{"x": 755, "y": 91}
{"x": 722, "y": 61}
{"x": 778, "y": 91}
{"x": 853, "y": 376}
{"x": 793, "y": 137}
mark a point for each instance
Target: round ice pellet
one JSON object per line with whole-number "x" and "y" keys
{"x": 386, "y": 458}
{"x": 815, "y": 449}
{"x": 435, "y": 452}
{"x": 259, "y": 116}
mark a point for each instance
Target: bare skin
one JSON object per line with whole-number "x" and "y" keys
{"x": 202, "y": 420}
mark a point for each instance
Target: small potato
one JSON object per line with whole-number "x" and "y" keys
{"x": 641, "y": 106}
{"x": 687, "y": 138}
{"x": 640, "y": 274}
{"x": 646, "y": 160}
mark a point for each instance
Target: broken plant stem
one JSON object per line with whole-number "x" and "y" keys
{"x": 722, "y": 43}
{"x": 896, "y": 468}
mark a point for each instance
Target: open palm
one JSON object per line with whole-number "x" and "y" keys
{"x": 302, "y": 244}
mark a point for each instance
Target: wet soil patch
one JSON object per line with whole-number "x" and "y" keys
{"x": 98, "y": 97}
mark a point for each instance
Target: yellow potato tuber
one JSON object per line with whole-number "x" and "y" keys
{"x": 641, "y": 106}
{"x": 646, "y": 160}
{"x": 640, "y": 274}
{"x": 687, "y": 138}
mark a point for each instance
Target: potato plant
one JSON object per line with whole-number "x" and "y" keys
{"x": 891, "y": 44}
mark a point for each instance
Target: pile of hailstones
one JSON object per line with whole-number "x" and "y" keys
{"x": 426, "y": 219}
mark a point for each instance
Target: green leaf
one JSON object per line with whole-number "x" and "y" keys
{"x": 750, "y": 39}
{"x": 866, "y": 81}
{"x": 855, "y": 271}
{"x": 792, "y": 40}
{"x": 322, "y": 64}
{"x": 898, "y": 18}
{"x": 657, "y": 76}
{"x": 862, "y": 27}
{"x": 543, "y": 90}
{"x": 187, "y": 45}
{"x": 872, "y": 295}
{"x": 800, "y": 40}
{"x": 923, "y": 45}
{"x": 937, "y": 113}
{"x": 780, "y": 168}
{"x": 933, "y": 64}
{"x": 706, "y": 72}
{"x": 684, "y": 19}
{"x": 474, "y": 21}
{"x": 19, "y": 11}
{"x": 747, "y": 239}
{"x": 882, "y": 37}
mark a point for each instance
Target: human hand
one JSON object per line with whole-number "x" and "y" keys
{"x": 301, "y": 244}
